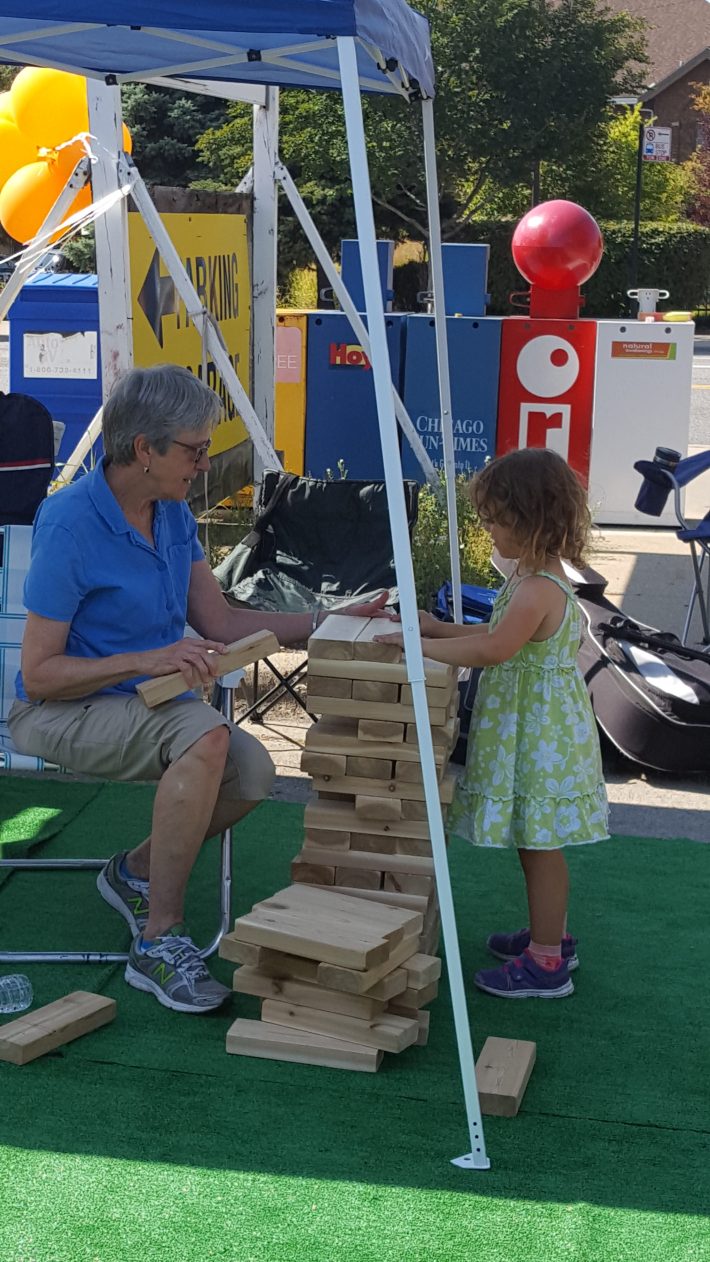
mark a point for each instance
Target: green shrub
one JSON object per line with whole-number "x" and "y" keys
{"x": 430, "y": 544}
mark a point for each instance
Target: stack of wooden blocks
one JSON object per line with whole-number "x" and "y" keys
{"x": 367, "y": 831}
{"x": 341, "y": 978}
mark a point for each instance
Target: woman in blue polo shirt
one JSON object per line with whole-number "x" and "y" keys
{"x": 116, "y": 573}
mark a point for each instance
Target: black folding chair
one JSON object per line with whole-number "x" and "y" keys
{"x": 315, "y": 544}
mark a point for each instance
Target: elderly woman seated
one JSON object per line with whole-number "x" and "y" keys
{"x": 116, "y": 574}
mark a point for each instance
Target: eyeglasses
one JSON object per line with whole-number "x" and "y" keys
{"x": 197, "y": 453}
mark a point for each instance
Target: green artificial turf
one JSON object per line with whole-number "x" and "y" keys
{"x": 144, "y": 1140}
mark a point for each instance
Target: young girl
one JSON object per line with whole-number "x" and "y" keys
{"x": 533, "y": 777}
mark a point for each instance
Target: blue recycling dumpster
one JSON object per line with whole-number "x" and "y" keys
{"x": 474, "y": 368}
{"x": 341, "y": 415}
{"x": 54, "y": 349}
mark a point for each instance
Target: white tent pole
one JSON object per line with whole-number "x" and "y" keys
{"x": 442, "y": 351}
{"x": 362, "y": 196}
{"x": 263, "y": 281}
{"x": 111, "y": 229}
{"x": 201, "y": 318}
{"x": 346, "y": 302}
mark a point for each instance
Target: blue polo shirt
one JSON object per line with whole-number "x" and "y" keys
{"x": 91, "y": 568}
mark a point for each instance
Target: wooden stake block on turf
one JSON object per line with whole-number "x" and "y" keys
{"x": 408, "y": 883}
{"x": 420, "y": 1015}
{"x": 388, "y": 809}
{"x": 335, "y": 637}
{"x": 359, "y": 878}
{"x": 387, "y": 1032}
{"x": 423, "y": 969}
{"x": 318, "y": 764}
{"x": 241, "y": 653}
{"x": 41, "y": 1031}
{"x": 360, "y": 983}
{"x": 297, "y": 931}
{"x": 312, "y": 873}
{"x": 251, "y": 981}
{"x": 370, "y": 690}
{"x": 414, "y": 901}
{"x": 326, "y": 686}
{"x": 502, "y": 1073}
{"x": 274, "y": 1042}
{"x": 365, "y": 648}
{"x": 418, "y": 996}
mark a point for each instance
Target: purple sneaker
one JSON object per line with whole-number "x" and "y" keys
{"x": 524, "y": 979}
{"x": 508, "y": 946}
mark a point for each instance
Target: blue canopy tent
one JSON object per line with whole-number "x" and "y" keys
{"x": 351, "y": 46}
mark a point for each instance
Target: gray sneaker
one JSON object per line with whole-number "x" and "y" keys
{"x": 173, "y": 971}
{"x": 127, "y": 896}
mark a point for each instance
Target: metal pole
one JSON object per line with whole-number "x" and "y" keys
{"x": 442, "y": 352}
{"x": 476, "y": 1158}
{"x": 264, "y": 237}
{"x": 634, "y": 261}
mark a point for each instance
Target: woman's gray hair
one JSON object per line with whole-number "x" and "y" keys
{"x": 159, "y": 402}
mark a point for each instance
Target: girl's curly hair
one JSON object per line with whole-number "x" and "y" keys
{"x": 535, "y": 494}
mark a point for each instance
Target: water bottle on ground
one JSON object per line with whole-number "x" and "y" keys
{"x": 15, "y": 993}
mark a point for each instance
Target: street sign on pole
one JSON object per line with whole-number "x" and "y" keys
{"x": 657, "y": 144}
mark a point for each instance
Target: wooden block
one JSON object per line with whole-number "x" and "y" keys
{"x": 230, "y": 948}
{"x": 502, "y": 1073}
{"x": 407, "y": 790}
{"x": 436, "y": 674}
{"x": 240, "y": 653}
{"x": 444, "y": 731}
{"x": 327, "y": 796}
{"x": 331, "y": 735}
{"x": 413, "y": 810}
{"x": 274, "y": 1042}
{"x": 408, "y": 883}
{"x": 417, "y": 996}
{"x": 41, "y": 1031}
{"x": 372, "y": 843}
{"x": 372, "y": 690}
{"x": 360, "y": 983}
{"x": 423, "y": 969}
{"x": 367, "y": 768}
{"x": 251, "y": 981}
{"x": 414, "y": 901}
{"x": 387, "y": 1032}
{"x": 283, "y": 926}
{"x": 388, "y": 809}
{"x": 390, "y": 710}
{"x": 312, "y": 873}
{"x": 327, "y": 837}
{"x": 439, "y": 688}
{"x": 411, "y": 771}
{"x": 335, "y": 637}
{"x": 365, "y": 648}
{"x": 390, "y": 922}
{"x": 359, "y": 878}
{"x": 315, "y": 763}
{"x": 326, "y": 686}
{"x": 420, "y": 1015}
{"x": 275, "y": 962}
{"x": 342, "y": 818}
{"x": 390, "y": 986}
{"x": 371, "y": 859}
{"x": 420, "y": 846}
{"x": 429, "y": 940}
{"x": 380, "y": 730}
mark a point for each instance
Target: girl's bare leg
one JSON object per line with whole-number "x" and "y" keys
{"x": 547, "y": 882}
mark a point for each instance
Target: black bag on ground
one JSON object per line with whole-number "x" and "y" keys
{"x": 650, "y": 694}
{"x": 26, "y": 457}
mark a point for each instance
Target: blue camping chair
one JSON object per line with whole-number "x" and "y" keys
{"x": 665, "y": 473}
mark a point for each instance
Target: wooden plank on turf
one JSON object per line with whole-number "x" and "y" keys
{"x": 423, "y": 969}
{"x": 360, "y": 982}
{"x": 503, "y": 1070}
{"x": 417, "y": 996}
{"x": 274, "y": 1042}
{"x": 350, "y": 708}
{"x": 420, "y": 1015}
{"x": 367, "y": 650}
{"x": 250, "y": 648}
{"x": 251, "y": 981}
{"x": 388, "y": 1032}
{"x": 388, "y": 809}
{"x": 297, "y": 932}
{"x": 335, "y": 637}
{"x": 36, "y": 1033}
{"x": 414, "y": 901}
{"x": 388, "y": 921}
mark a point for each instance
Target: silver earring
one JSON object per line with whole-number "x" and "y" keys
{"x": 146, "y": 469}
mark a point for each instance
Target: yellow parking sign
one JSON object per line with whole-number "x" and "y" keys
{"x": 214, "y": 252}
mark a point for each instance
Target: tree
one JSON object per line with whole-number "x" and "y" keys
{"x": 520, "y": 82}
{"x": 698, "y": 166}
{"x": 165, "y": 125}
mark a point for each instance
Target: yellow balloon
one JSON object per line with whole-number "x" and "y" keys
{"x": 50, "y": 106}
{"x": 28, "y": 196}
{"x": 15, "y": 149}
{"x": 6, "y": 110}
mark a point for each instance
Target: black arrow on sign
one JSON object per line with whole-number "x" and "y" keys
{"x": 157, "y": 297}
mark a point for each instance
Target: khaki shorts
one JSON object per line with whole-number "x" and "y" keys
{"x": 117, "y": 737}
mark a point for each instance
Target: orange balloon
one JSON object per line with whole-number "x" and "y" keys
{"x": 127, "y": 139}
{"x": 15, "y": 149}
{"x": 50, "y": 106}
{"x": 28, "y": 196}
{"x": 6, "y": 110}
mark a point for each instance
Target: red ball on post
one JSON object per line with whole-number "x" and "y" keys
{"x": 557, "y": 246}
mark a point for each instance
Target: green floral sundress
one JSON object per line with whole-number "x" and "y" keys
{"x": 533, "y": 777}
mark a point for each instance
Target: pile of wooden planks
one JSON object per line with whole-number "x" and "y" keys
{"x": 367, "y": 830}
{"x": 341, "y": 978}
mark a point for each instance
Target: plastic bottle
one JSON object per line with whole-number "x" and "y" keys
{"x": 15, "y": 993}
